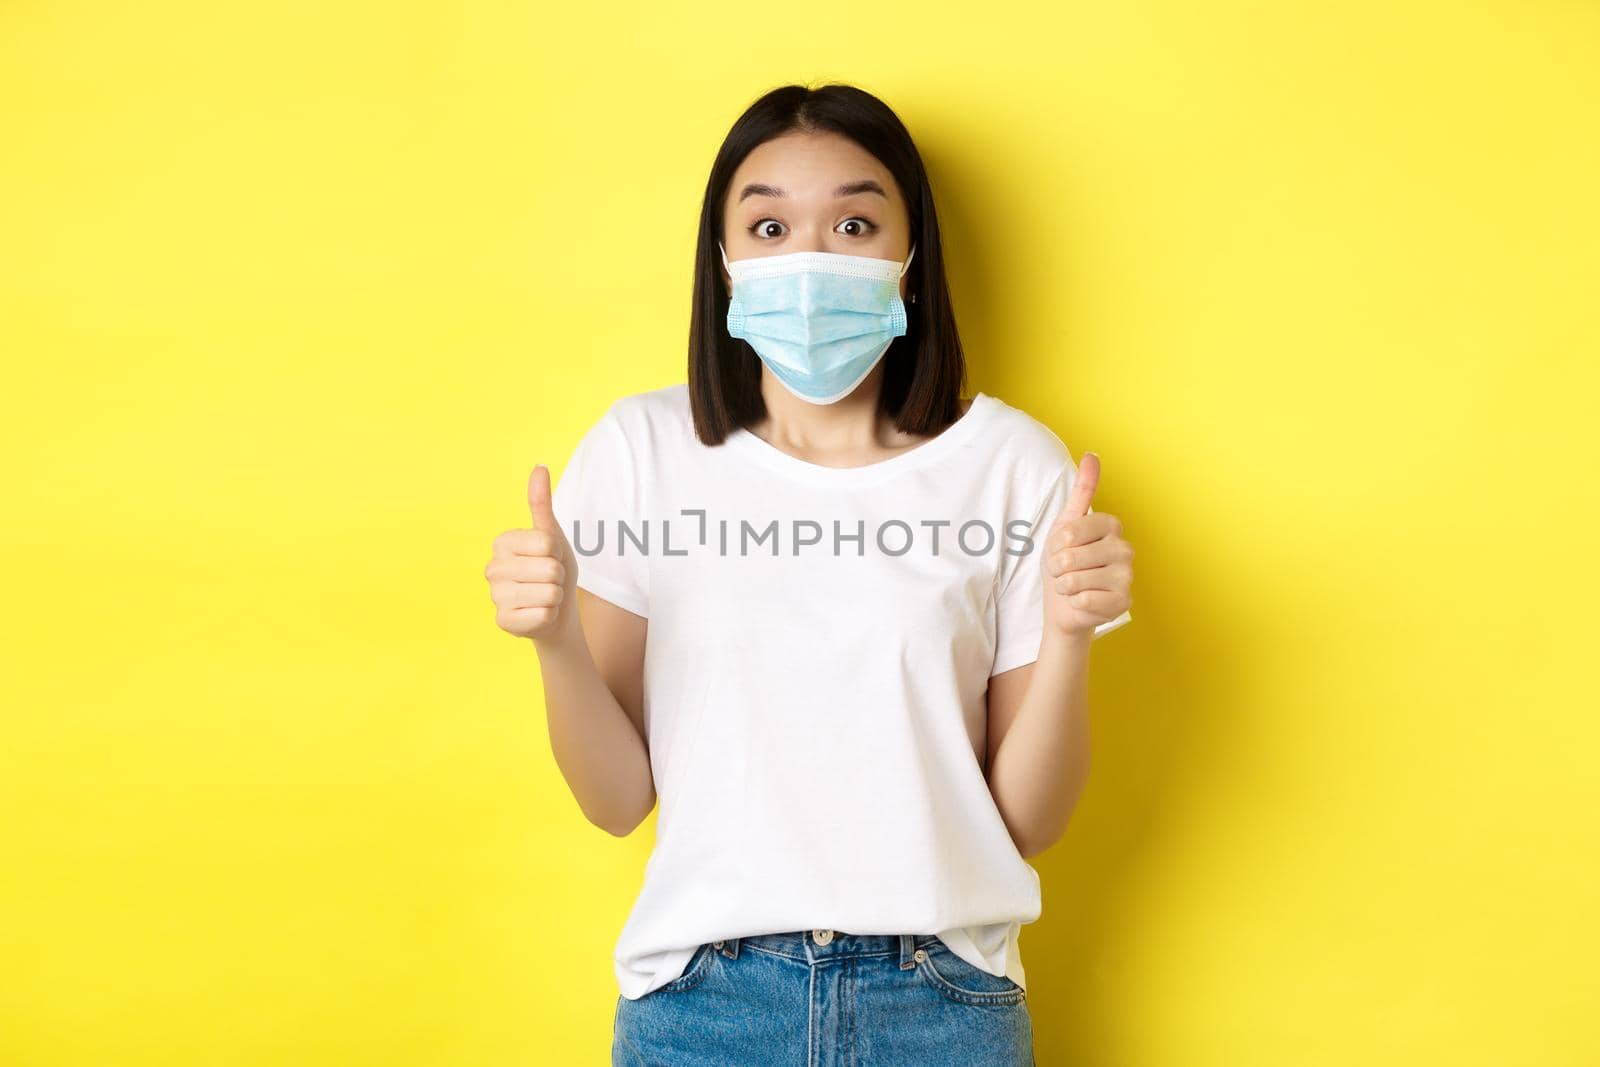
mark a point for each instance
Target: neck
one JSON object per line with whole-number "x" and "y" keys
{"x": 847, "y": 423}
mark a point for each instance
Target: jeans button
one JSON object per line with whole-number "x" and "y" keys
{"x": 822, "y": 937}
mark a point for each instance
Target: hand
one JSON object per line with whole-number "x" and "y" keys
{"x": 534, "y": 573}
{"x": 1087, "y": 565}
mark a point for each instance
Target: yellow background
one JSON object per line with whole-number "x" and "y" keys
{"x": 293, "y": 296}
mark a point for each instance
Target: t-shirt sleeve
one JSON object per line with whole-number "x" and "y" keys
{"x": 597, "y": 494}
{"x": 1019, "y": 604}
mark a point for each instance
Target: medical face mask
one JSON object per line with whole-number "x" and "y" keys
{"x": 820, "y": 321}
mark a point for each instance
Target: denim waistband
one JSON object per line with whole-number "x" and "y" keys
{"x": 813, "y": 946}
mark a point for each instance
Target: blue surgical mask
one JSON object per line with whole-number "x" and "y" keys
{"x": 820, "y": 321}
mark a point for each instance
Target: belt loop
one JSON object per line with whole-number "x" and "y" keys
{"x": 908, "y": 948}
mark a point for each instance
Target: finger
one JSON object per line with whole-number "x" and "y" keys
{"x": 544, "y": 518}
{"x": 533, "y": 595}
{"x": 1082, "y": 530}
{"x": 525, "y": 543}
{"x": 526, "y": 569}
{"x": 1109, "y": 578}
{"x": 536, "y": 569}
{"x": 524, "y": 620}
{"x": 1097, "y": 602}
{"x": 1081, "y": 557}
{"x": 1083, "y": 488}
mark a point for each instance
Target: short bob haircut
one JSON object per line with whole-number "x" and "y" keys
{"x": 923, "y": 371}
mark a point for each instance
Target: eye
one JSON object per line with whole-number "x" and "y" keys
{"x": 864, "y": 226}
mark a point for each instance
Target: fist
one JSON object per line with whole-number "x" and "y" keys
{"x": 533, "y": 573}
{"x": 1088, "y": 567}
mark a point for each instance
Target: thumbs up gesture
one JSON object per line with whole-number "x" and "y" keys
{"x": 533, "y": 573}
{"x": 1088, "y": 567}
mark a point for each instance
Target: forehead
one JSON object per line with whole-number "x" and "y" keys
{"x": 808, "y": 166}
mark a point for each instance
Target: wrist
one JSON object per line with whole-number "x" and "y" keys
{"x": 567, "y": 636}
{"x": 1074, "y": 639}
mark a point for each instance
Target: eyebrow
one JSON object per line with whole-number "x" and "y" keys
{"x": 866, "y": 185}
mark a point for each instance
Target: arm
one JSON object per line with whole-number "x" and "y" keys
{"x": 591, "y": 659}
{"x": 1038, "y": 739}
{"x": 1038, "y": 744}
{"x": 593, "y": 672}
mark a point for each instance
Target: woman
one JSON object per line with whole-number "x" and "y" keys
{"x": 869, "y": 606}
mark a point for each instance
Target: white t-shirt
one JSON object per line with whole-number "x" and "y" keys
{"x": 815, "y": 706}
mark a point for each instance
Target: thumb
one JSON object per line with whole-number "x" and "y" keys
{"x": 544, "y": 516}
{"x": 1083, "y": 488}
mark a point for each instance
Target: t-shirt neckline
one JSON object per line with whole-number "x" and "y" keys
{"x": 774, "y": 458}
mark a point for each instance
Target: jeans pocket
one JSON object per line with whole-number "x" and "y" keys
{"x": 964, "y": 983}
{"x": 694, "y": 971}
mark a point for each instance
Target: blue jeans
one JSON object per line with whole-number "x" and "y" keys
{"x": 820, "y": 998}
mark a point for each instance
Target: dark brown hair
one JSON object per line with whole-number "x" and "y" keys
{"x": 924, "y": 371}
